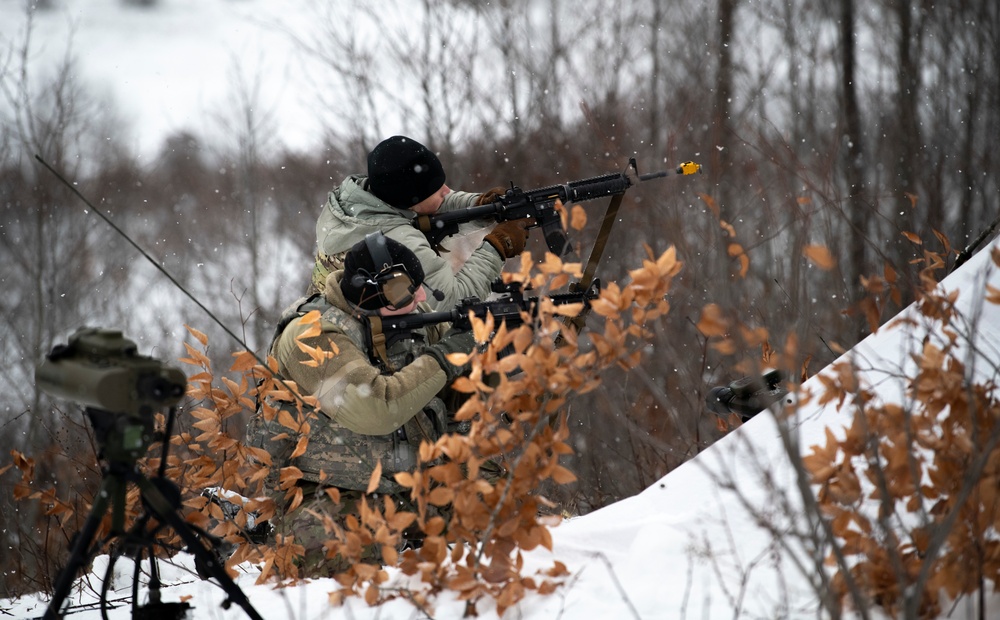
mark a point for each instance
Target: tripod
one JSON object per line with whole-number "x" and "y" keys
{"x": 122, "y": 441}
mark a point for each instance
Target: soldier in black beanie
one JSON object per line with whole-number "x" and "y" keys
{"x": 403, "y": 172}
{"x": 406, "y": 179}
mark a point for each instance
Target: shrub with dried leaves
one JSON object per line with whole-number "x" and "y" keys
{"x": 518, "y": 394}
{"x": 912, "y": 490}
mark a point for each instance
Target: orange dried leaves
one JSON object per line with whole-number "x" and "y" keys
{"x": 931, "y": 472}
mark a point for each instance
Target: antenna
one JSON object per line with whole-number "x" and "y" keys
{"x": 148, "y": 257}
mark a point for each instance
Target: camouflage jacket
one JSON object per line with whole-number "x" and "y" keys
{"x": 351, "y": 212}
{"x": 365, "y": 416}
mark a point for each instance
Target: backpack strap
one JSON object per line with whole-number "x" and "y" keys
{"x": 300, "y": 307}
{"x": 376, "y": 342}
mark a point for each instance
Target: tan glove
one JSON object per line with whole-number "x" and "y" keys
{"x": 508, "y": 237}
{"x": 491, "y": 195}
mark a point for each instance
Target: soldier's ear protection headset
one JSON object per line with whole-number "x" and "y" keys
{"x": 392, "y": 282}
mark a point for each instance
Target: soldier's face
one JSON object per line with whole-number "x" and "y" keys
{"x": 418, "y": 296}
{"x": 430, "y": 205}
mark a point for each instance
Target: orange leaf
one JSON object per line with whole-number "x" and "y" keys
{"x": 561, "y": 210}
{"x": 200, "y": 359}
{"x": 297, "y": 497}
{"x": 820, "y": 256}
{"x": 712, "y": 322}
{"x": 441, "y": 496}
{"x": 546, "y": 537}
{"x": 711, "y": 204}
{"x": 551, "y": 265}
{"x": 202, "y": 338}
{"x": 245, "y": 360}
{"x": 562, "y": 475}
{"x": 481, "y": 330}
{"x": 463, "y": 385}
{"x": 285, "y": 419}
{"x": 569, "y": 309}
{"x": 376, "y": 478}
{"x": 318, "y": 355}
{"x": 300, "y": 447}
{"x": 744, "y": 264}
{"x": 992, "y": 294}
{"x": 405, "y": 479}
{"x": 890, "y": 274}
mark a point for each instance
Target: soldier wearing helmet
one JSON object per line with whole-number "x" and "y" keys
{"x": 367, "y": 414}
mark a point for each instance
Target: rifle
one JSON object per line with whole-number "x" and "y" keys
{"x": 539, "y": 204}
{"x": 509, "y": 307}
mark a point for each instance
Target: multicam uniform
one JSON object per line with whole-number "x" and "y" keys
{"x": 351, "y": 212}
{"x": 366, "y": 417}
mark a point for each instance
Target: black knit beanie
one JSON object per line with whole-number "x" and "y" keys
{"x": 402, "y": 172}
{"x": 358, "y": 262}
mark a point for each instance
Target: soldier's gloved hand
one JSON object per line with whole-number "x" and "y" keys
{"x": 508, "y": 237}
{"x": 491, "y": 195}
{"x": 454, "y": 341}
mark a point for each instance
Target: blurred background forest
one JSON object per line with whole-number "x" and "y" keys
{"x": 868, "y": 128}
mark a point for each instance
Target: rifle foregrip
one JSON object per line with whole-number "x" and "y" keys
{"x": 598, "y": 187}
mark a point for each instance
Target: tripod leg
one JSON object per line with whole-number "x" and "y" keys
{"x": 166, "y": 513}
{"x": 80, "y": 554}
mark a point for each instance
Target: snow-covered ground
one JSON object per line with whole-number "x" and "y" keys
{"x": 705, "y": 541}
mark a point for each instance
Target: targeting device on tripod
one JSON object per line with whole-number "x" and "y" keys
{"x": 121, "y": 391}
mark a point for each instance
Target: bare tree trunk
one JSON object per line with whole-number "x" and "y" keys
{"x": 983, "y": 94}
{"x": 858, "y": 208}
{"x": 721, "y": 155}
{"x": 908, "y": 142}
{"x": 654, "y": 101}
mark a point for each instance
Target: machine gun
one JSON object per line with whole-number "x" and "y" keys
{"x": 539, "y": 204}
{"x": 510, "y": 307}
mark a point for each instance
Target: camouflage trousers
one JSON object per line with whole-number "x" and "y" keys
{"x": 306, "y": 525}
